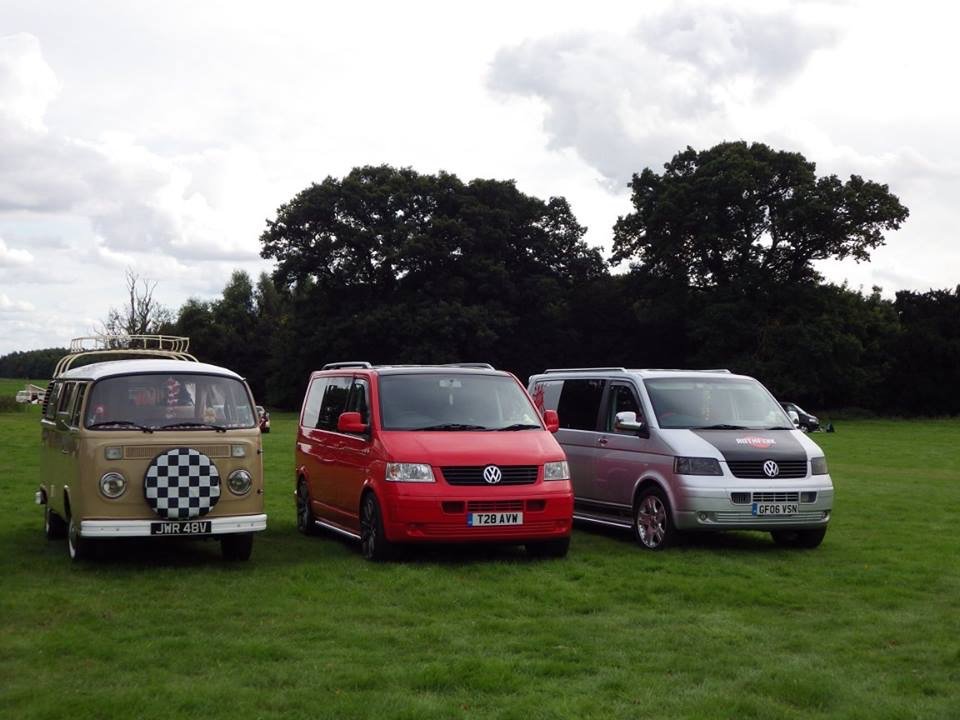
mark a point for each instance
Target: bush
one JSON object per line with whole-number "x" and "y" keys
{"x": 9, "y": 404}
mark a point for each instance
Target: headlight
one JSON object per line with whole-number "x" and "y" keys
{"x": 409, "y": 472}
{"x": 113, "y": 485}
{"x": 818, "y": 466}
{"x": 113, "y": 453}
{"x": 238, "y": 451}
{"x": 240, "y": 482}
{"x": 556, "y": 470}
{"x": 697, "y": 466}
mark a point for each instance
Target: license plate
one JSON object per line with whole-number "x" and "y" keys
{"x": 776, "y": 508}
{"x": 494, "y": 518}
{"x": 181, "y": 527}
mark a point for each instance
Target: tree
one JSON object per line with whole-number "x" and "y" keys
{"x": 742, "y": 216}
{"x": 142, "y": 314}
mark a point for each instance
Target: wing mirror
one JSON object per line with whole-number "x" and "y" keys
{"x": 627, "y": 420}
{"x": 351, "y": 422}
{"x": 551, "y": 420}
{"x": 794, "y": 417}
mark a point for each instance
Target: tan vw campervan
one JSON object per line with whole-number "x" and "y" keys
{"x": 147, "y": 442}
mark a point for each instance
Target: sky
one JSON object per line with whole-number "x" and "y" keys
{"x": 161, "y": 137}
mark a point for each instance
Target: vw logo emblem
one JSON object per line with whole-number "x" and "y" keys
{"x": 771, "y": 469}
{"x": 492, "y": 474}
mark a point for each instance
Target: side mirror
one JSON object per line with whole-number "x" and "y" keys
{"x": 627, "y": 420}
{"x": 350, "y": 422}
{"x": 795, "y": 417}
{"x": 551, "y": 420}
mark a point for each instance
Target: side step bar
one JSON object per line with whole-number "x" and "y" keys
{"x": 623, "y": 524}
{"x": 330, "y": 526}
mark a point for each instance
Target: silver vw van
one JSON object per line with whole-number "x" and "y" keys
{"x": 663, "y": 451}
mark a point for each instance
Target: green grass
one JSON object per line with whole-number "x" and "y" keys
{"x": 729, "y": 626}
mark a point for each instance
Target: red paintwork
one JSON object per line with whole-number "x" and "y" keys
{"x": 340, "y": 466}
{"x": 551, "y": 420}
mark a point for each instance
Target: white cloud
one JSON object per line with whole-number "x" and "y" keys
{"x": 12, "y": 257}
{"x": 8, "y": 305}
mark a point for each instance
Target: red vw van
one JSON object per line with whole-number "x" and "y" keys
{"x": 443, "y": 453}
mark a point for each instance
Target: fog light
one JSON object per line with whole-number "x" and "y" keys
{"x": 238, "y": 451}
{"x": 702, "y": 516}
{"x": 113, "y": 453}
{"x": 113, "y": 485}
{"x": 240, "y": 482}
{"x": 826, "y": 514}
{"x": 808, "y": 496}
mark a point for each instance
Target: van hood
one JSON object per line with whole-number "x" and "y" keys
{"x": 520, "y": 447}
{"x": 741, "y": 445}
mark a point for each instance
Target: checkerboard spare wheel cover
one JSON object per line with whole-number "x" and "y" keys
{"x": 181, "y": 484}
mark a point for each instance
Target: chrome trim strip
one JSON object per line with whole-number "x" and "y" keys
{"x": 598, "y": 521}
{"x": 330, "y": 526}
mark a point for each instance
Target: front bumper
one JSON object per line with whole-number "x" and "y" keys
{"x": 141, "y": 528}
{"x": 712, "y": 508}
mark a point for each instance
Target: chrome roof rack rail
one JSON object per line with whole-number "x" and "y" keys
{"x": 347, "y": 364}
{"x": 586, "y": 369}
{"x": 172, "y": 347}
{"x": 478, "y": 365}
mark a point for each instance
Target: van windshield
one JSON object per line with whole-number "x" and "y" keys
{"x": 169, "y": 401}
{"x": 438, "y": 401}
{"x": 715, "y": 403}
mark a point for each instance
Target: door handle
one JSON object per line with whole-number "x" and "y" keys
{"x": 602, "y": 441}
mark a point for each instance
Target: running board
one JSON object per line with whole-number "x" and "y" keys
{"x": 330, "y": 526}
{"x": 611, "y": 523}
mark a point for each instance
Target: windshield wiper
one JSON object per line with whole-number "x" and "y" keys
{"x": 521, "y": 426}
{"x": 721, "y": 426}
{"x": 453, "y": 426}
{"x": 780, "y": 427}
{"x": 218, "y": 428}
{"x": 125, "y": 423}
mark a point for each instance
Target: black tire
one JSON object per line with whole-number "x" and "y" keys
{"x": 548, "y": 548}
{"x": 373, "y": 541}
{"x": 79, "y": 548}
{"x": 804, "y": 539}
{"x": 237, "y": 547}
{"x": 653, "y": 526}
{"x": 306, "y": 521}
{"x": 53, "y": 525}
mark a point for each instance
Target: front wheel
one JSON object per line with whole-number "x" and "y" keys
{"x": 236, "y": 547}
{"x": 652, "y": 525}
{"x": 373, "y": 541}
{"x": 79, "y": 548}
{"x": 53, "y": 525}
{"x": 306, "y": 521}
{"x": 548, "y": 548}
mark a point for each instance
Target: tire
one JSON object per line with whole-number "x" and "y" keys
{"x": 548, "y": 548}
{"x": 79, "y": 548}
{"x": 653, "y": 525}
{"x": 804, "y": 539}
{"x": 53, "y": 525}
{"x": 306, "y": 521}
{"x": 373, "y": 541}
{"x": 237, "y": 547}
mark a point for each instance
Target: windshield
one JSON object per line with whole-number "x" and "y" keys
{"x": 179, "y": 401}
{"x": 437, "y": 401}
{"x": 719, "y": 403}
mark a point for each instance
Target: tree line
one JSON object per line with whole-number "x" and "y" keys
{"x": 713, "y": 267}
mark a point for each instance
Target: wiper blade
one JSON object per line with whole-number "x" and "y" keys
{"x": 780, "y": 427}
{"x": 721, "y": 426}
{"x": 218, "y": 428}
{"x": 520, "y": 426}
{"x": 453, "y": 426}
{"x": 122, "y": 423}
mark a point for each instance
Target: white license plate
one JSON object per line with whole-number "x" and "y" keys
{"x": 494, "y": 518}
{"x": 776, "y": 508}
{"x": 181, "y": 527}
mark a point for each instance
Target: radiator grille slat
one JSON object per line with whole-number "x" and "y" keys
{"x": 473, "y": 474}
{"x": 753, "y": 469}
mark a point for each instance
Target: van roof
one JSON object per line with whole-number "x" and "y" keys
{"x": 110, "y": 368}
{"x": 642, "y": 372}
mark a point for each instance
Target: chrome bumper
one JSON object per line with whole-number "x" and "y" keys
{"x": 141, "y": 528}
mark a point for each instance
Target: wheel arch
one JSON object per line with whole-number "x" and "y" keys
{"x": 653, "y": 482}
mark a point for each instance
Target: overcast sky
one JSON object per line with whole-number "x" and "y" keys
{"x": 161, "y": 136}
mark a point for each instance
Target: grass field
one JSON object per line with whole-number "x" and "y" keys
{"x": 866, "y": 626}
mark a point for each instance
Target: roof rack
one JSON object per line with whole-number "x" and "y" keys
{"x": 478, "y": 365}
{"x": 347, "y": 364}
{"x": 586, "y": 369}
{"x": 174, "y": 347}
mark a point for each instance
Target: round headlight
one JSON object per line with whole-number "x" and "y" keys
{"x": 113, "y": 485}
{"x": 240, "y": 482}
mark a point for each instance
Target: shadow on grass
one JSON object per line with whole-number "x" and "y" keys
{"x": 748, "y": 541}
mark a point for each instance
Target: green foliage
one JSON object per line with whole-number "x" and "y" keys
{"x": 31, "y": 363}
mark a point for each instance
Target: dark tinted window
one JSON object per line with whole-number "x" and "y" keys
{"x": 622, "y": 399}
{"x": 359, "y": 399}
{"x": 579, "y": 404}
{"x": 334, "y": 401}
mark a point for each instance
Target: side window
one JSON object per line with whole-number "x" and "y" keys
{"x": 623, "y": 398}
{"x": 51, "y": 400}
{"x": 579, "y": 404}
{"x": 359, "y": 400}
{"x": 334, "y": 401}
{"x": 546, "y": 394}
{"x": 64, "y": 402}
{"x": 77, "y": 405}
{"x": 311, "y": 404}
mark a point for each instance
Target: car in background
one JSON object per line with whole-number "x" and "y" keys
{"x": 264, "y": 419}
{"x": 805, "y": 421}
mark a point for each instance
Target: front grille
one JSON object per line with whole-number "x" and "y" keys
{"x": 753, "y": 469}
{"x": 776, "y": 497}
{"x": 148, "y": 452}
{"x": 473, "y": 474}
{"x": 747, "y": 518}
{"x": 495, "y": 506}
{"x": 740, "y": 498}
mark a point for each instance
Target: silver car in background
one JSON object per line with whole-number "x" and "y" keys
{"x": 663, "y": 451}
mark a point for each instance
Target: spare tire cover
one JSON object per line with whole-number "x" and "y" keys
{"x": 181, "y": 484}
